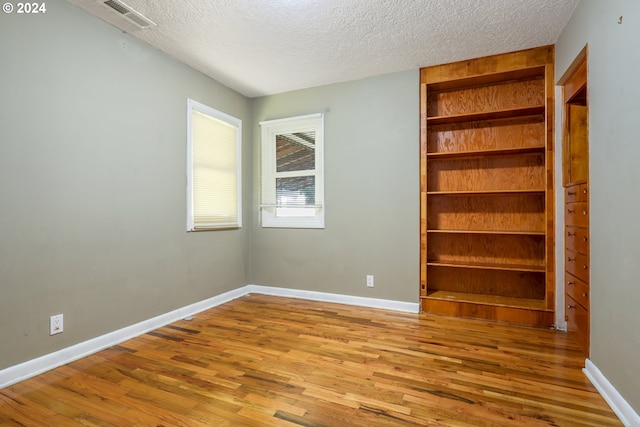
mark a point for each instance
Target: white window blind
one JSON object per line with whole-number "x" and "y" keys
{"x": 214, "y": 178}
{"x": 292, "y": 177}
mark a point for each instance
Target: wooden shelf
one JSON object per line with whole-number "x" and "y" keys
{"x": 493, "y": 300}
{"x": 487, "y": 115}
{"x": 485, "y": 192}
{"x": 457, "y": 83}
{"x": 509, "y": 232}
{"x": 476, "y": 153}
{"x": 489, "y": 266}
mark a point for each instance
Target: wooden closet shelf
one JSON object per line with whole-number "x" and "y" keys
{"x": 487, "y": 115}
{"x": 488, "y": 266}
{"x": 492, "y": 152}
{"x": 494, "y": 300}
{"x": 513, "y": 232}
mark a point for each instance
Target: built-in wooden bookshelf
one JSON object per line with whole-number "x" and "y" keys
{"x": 487, "y": 188}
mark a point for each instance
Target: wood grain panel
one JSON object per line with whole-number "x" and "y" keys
{"x": 578, "y": 152}
{"x": 517, "y": 172}
{"x": 500, "y": 96}
{"x": 267, "y": 361}
{"x": 504, "y": 212}
{"x": 487, "y": 135}
{"x": 487, "y": 282}
{"x": 504, "y": 250}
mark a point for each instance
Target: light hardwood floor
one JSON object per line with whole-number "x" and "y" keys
{"x": 269, "y": 361}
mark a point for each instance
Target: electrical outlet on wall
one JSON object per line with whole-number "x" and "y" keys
{"x": 369, "y": 280}
{"x": 56, "y": 324}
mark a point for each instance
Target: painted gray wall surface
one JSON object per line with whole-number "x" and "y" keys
{"x": 92, "y": 183}
{"x": 371, "y": 192}
{"x": 614, "y": 129}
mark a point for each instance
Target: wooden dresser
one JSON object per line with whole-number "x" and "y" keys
{"x": 576, "y": 210}
{"x": 577, "y": 262}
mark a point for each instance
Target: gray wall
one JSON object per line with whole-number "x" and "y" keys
{"x": 371, "y": 192}
{"x": 92, "y": 183}
{"x": 614, "y": 110}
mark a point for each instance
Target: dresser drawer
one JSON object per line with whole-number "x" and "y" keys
{"x": 577, "y": 264}
{"x": 577, "y": 214}
{"x": 577, "y": 239}
{"x": 577, "y": 318}
{"x": 577, "y": 289}
{"x": 576, "y": 193}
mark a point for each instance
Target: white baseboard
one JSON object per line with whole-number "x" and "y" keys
{"x": 31, "y": 368}
{"x": 407, "y": 307}
{"x": 619, "y": 405}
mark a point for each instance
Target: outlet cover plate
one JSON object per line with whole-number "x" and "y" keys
{"x": 56, "y": 324}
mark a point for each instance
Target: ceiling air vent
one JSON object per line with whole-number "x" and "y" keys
{"x": 136, "y": 17}
{"x": 116, "y": 13}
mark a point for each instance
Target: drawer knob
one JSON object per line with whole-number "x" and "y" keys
{"x": 584, "y": 239}
{"x": 584, "y": 294}
{"x": 584, "y": 191}
{"x": 584, "y": 212}
{"x": 570, "y": 234}
{"x": 571, "y": 307}
{"x": 569, "y": 259}
{"x": 585, "y": 267}
{"x": 570, "y": 283}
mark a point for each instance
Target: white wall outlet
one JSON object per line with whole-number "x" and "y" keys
{"x": 56, "y": 324}
{"x": 369, "y": 281}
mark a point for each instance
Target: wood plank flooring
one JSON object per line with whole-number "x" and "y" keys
{"x": 268, "y": 361}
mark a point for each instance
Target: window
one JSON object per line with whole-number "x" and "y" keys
{"x": 214, "y": 144}
{"x": 293, "y": 172}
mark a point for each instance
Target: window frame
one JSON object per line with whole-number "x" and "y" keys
{"x": 192, "y": 106}
{"x": 268, "y": 174}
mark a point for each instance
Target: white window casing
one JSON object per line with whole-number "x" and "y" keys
{"x": 292, "y": 172}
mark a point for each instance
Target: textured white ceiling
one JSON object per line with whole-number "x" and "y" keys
{"x": 263, "y": 47}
